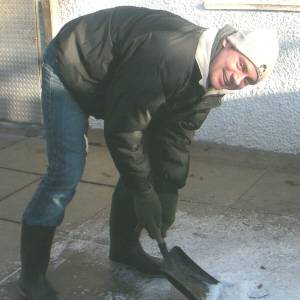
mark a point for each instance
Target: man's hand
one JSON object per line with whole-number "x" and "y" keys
{"x": 148, "y": 211}
{"x": 169, "y": 204}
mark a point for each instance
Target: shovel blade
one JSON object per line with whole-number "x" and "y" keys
{"x": 186, "y": 275}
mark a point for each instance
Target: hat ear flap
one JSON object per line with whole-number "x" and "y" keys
{"x": 225, "y": 43}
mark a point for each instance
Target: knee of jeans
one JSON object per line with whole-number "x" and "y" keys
{"x": 47, "y": 207}
{"x": 64, "y": 175}
{"x": 47, "y": 213}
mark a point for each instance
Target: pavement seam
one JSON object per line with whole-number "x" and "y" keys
{"x": 12, "y": 144}
{"x": 21, "y": 171}
{"x": 41, "y": 174}
{"x": 20, "y": 189}
{"x": 250, "y": 187}
{"x": 2, "y": 281}
{"x": 10, "y": 221}
{"x": 71, "y": 232}
{"x": 97, "y": 183}
{"x": 227, "y": 208}
{"x": 258, "y": 211}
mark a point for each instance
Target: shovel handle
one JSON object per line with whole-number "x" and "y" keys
{"x": 162, "y": 245}
{"x": 163, "y": 249}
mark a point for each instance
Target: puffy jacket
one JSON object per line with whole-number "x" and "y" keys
{"x": 135, "y": 68}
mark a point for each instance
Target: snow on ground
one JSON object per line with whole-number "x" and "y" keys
{"x": 255, "y": 256}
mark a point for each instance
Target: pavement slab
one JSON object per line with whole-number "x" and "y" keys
{"x": 219, "y": 183}
{"x": 11, "y": 181}
{"x": 89, "y": 200}
{"x": 28, "y": 155}
{"x": 7, "y": 140}
{"x": 99, "y": 167}
{"x": 275, "y": 193}
{"x": 246, "y": 157}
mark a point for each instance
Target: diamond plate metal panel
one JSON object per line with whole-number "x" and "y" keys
{"x": 19, "y": 64}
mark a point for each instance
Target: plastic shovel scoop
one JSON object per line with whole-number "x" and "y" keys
{"x": 184, "y": 273}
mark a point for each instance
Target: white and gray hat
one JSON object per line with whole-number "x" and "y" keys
{"x": 260, "y": 47}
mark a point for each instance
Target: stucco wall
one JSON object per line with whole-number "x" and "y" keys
{"x": 266, "y": 117}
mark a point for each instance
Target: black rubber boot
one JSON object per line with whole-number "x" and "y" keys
{"x": 125, "y": 247}
{"x": 36, "y": 244}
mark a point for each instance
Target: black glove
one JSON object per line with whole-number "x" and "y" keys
{"x": 148, "y": 211}
{"x": 168, "y": 204}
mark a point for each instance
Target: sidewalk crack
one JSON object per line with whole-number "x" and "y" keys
{"x": 20, "y": 189}
{"x": 250, "y": 187}
{"x": 12, "y": 144}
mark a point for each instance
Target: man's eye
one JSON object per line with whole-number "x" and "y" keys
{"x": 243, "y": 66}
{"x": 249, "y": 81}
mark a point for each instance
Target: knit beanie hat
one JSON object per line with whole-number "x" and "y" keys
{"x": 260, "y": 47}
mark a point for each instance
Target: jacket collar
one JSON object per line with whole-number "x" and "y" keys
{"x": 203, "y": 56}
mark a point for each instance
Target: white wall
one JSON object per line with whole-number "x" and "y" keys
{"x": 266, "y": 117}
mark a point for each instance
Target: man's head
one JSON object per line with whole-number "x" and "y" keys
{"x": 244, "y": 58}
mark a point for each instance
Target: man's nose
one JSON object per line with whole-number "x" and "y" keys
{"x": 239, "y": 79}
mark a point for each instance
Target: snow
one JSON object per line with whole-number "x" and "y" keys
{"x": 253, "y": 255}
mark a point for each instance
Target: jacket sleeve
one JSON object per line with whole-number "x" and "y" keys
{"x": 134, "y": 96}
{"x": 170, "y": 154}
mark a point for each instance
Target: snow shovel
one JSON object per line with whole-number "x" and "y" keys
{"x": 184, "y": 273}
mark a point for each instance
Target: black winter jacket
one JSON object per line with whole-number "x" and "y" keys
{"x": 135, "y": 68}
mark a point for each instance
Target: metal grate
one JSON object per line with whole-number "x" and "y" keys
{"x": 19, "y": 64}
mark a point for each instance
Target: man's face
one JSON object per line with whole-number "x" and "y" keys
{"x": 231, "y": 70}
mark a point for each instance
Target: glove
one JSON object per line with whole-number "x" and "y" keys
{"x": 168, "y": 204}
{"x": 148, "y": 211}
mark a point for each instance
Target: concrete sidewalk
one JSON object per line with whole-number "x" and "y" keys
{"x": 238, "y": 218}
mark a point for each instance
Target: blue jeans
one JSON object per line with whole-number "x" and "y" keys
{"x": 66, "y": 127}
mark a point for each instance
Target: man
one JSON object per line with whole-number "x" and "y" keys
{"x": 153, "y": 77}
